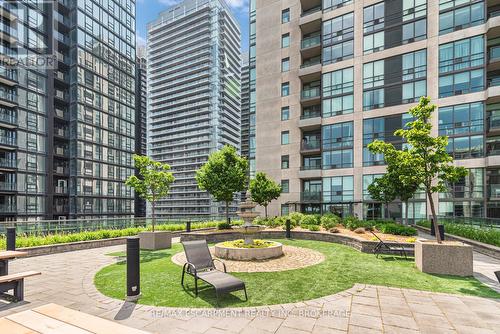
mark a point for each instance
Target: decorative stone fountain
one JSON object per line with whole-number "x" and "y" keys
{"x": 249, "y": 250}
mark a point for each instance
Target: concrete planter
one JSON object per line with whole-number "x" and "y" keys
{"x": 248, "y": 254}
{"x": 447, "y": 258}
{"x": 155, "y": 240}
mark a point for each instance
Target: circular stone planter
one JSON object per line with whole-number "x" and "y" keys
{"x": 247, "y": 254}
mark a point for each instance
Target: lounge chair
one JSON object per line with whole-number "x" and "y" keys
{"x": 200, "y": 265}
{"x": 497, "y": 274}
{"x": 389, "y": 247}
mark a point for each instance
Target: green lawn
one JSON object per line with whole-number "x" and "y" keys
{"x": 343, "y": 267}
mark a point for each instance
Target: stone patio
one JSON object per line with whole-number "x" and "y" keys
{"x": 67, "y": 280}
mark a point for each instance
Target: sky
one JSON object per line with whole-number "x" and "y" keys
{"x": 147, "y": 11}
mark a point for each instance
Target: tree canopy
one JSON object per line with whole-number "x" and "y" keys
{"x": 264, "y": 190}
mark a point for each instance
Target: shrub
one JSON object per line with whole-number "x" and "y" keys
{"x": 329, "y": 221}
{"x": 396, "y": 229}
{"x": 309, "y": 220}
{"x": 311, "y": 227}
{"x": 223, "y": 226}
{"x": 483, "y": 234}
{"x": 295, "y": 218}
{"x": 353, "y": 223}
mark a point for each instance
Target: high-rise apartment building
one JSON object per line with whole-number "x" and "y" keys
{"x": 193, "y": 97}
{"x": 334, "y": 75}
{"x": 66, "y": 128}
{"x": 140, "y": 118}
{"x": 245, "y": 106}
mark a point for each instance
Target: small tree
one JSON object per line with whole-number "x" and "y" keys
{"x": 153, "y": 182}
{"x": 223, "y": 174}
{"x": 426, "y": 157}
{"x": 264, "y": 190}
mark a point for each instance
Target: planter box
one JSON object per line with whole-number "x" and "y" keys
{"x": 155, "y": 240}
{"x": 447, "y": 258}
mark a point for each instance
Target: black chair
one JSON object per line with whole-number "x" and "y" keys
{"x": 200, "y": 265}
{"x": 389, "y": 247}
{"x": 497, "y": 274}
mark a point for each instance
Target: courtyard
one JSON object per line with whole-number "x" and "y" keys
{"x": 333, "y": 296}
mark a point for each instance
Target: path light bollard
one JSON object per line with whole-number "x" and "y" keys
{"x": 433, "y": 230}
{"x": 441, "y": 231}
{"x": 287, "y": 225}
{"x": 188, "y": 226}
{"x": 133, "y": 269}
{"x": 11, "y": 238}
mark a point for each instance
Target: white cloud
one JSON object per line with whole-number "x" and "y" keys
{"x": 237, "y": 4}
{"x": 169, "y": 2}
{"x": 140, "y": 41}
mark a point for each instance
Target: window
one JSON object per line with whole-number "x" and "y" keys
{"x": 338, "y": 39}
{"x": 464, "y": 198}
{"x": 285, "y": 40}
{"x": 285, "y": 113}
{"x": 405, "y": 83}
{"x": 285, "y": 15}
{"x": 337, "y": 92}
{"x": 338, "y": 189}
{"x": 367, "y": 180}
{"x": 285, "y": 161}
{"x": 285, "y": 186}
{"x": 461, "y": 67}
{"x": 337, "y": 143}
{"x": 463, "y": 124}
{"x": 456, "y": 15}
{"x": 285, "y": 64}
{"x": 402, "y": 26}
{"x": 382, "y": 128}
{"x": 285, "y": 89}
{"x": 285, "y": 137}
{"x": 285, "y": 209}
{"x": 332, "y": 4}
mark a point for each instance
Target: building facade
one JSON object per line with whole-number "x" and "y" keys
{"x": 193, "y": 97}
{"x": 334, "y": 75}
{"x": 140, "y": 119}
{"x": 66, "y": 128}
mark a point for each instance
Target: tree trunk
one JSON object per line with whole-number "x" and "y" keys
{"x": 406, "y": 213}
{"x": 434, "y": 217}
{"x": 227, "y": 212}
{"x": 153, "y": 215}
{"x": 265, "y": 210}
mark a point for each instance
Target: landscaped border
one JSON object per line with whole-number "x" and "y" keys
{"x": 362, "y": 245}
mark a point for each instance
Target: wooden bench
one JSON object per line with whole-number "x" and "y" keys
{"x": 16, "y": 282}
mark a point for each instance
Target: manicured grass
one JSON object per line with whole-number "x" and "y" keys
{"x": 343, "y": 267}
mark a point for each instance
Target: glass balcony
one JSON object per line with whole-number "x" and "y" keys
{"x": 5, "y": 140}
{"x": 310, "y": 196}
{"x": 8, "y": 96}
{"x": 61, "y": 190}
{"x": 311, "y": 62}
{"x": 311, "y": 10}
{"x": 8, "y": 29}
{"x": 311, "y": 93}
{"x": 8, "y": 163}
{"x": 7, "y": 208}
{"x": 8, "y": 73}
{"x": 310, "y": 42}
{"x": 311, "y": 144}
{"x": 7, "y": 118}
{"x": 311, "y": 112}
{"x": 61, "y": 151}
{"x": 7, "y": 186}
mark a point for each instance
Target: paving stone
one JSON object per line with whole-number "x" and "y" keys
{"x": 333, "y": 322}
{"x": 388, "y": 329}
{"x": 325, "y": 330}
{"x": 428, "y": 320}
{"x": 362, "y": 330}
{"x": 425, "y": 308}
{"x": 399, "y": 321}
{"x": 364, "y": 300}
{"x": 366, "y": 309}
{"x": 366, "y": 321}
{"x": 288, "y": 330}
{"x": 266, "y": 323}
{"x": 232, "y": 324}
{"x": 473, "y": 330}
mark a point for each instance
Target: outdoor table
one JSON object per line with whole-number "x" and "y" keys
{"x": 5, "y": 256}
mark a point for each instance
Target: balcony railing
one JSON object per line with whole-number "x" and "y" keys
{"x": 311, "y": 167}
{"x": 311, "y": 10}
{"x": 8, "y": 163}
{"x": 61, "y": 190}
{"x": 61, "y": 170}
{"x": 311, "y": 144}
{"x": 310, "y": 42}
{"x": 9, "y": 96}
{"x": 310, "y": 113}
{"x": 311, "y": 93}
{"x": 311, "y": 62}
{"x": 8, "y": 186}
{"x": 60, "y": 151}
{"x": 8, "y": 73}
{"x": 310, "y": 196}
{"x": 5, "y": 140}
{"x": 8, "y": 118}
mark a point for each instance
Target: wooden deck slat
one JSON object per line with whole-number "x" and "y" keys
{"x": 14, "y": 277}
{"x": 83, "y": 320}
{"x": 11, "y": 327}
{"x": 5, "y": 255}
{"x": 44, "y": 324}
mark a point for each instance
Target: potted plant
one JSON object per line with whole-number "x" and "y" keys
{"x": 152, "y": 184}
{"x": 431, "y": 167}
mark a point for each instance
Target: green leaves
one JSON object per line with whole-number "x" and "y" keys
{"x": 223, "y": 174}
{"x": 264, "y": 190}
{"x": 154, "y": 179}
